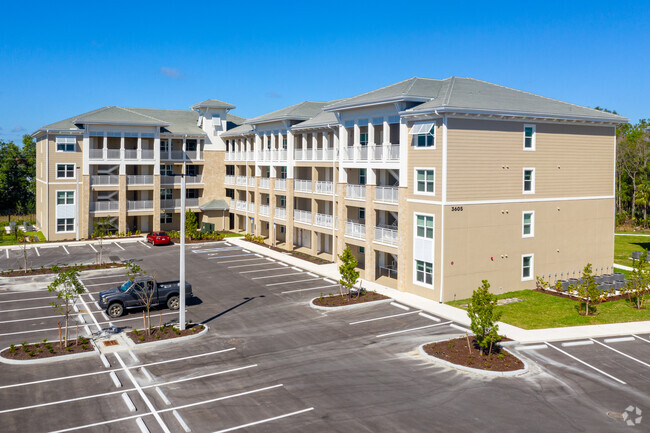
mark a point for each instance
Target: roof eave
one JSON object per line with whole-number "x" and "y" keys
{"x": 275, "y": 119}
{"x": 339, "y": 107}
{"x": 81, "y": 122}
{"x": 434, "y": 110}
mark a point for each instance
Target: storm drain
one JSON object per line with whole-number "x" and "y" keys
{"x": 111, "y": 343}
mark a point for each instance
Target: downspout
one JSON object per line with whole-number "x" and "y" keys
{"x": 334, "y": 191}
{"x": 444, "y": 202}
{"x": 47, "y": 182}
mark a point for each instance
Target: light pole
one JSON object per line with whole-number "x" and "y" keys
{"x": 76, "y": 206}
{"x": 181, "y": 282}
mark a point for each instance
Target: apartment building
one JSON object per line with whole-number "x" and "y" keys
{"x": 433, "y": 184}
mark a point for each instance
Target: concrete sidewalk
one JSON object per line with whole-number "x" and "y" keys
{"x": 456, "y": 314}
{"x": 73, "y": 243}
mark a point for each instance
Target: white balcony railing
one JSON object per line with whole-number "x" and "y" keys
{"x": 328, "y": 154}
{"x": 241, "y": 180}
{"x": 230, "y": 156}
{"x": 393, "y": 152}
{"x": 250, "y": 156}
{"x": 386, "y": 235}
{"x": 105, "y": 206}
{"x": 302, "y": 185}
{"x": 348, "y": 153}
{"x": 281, "y": 155}
{"x": 303, "y": 216}
{"x": 96, "y": 154}
{"x": 324, "y": 187}
{"x": 230, "y": 179}
{"x": 177, "y": 154}
{"x": 281, "y": 184}
{"x": 139, "y": 179}
{"x": 265, "y": 182}
{"x": 146, "y": 154}
{"x": 264, "y": 210}
{"x": 251, "y": 181}
{"x": 139, "y": 205}
{"x": 281, "y": 213}
{"x": 170, "y": 180}
{"x": 377, "y": 153}
{"x": 176, "y": 203}
{"x": 241, "y": 205}
{"x": 105, "y": 179}
{"x": 363, "y": 153}
{"x": 297, "y": 155}
{"x": 251, "y": 207}
{"x": 324, "y": 220}
{"x": 193, "y": 179}
{"x": 387, "y": 194}
{"x": 355, "y": 191}
{"x": 192, "y": 154}
{"x": 355, "y": 230}
{"x": 130, "y": 153}
{"x": 113, "y": 153}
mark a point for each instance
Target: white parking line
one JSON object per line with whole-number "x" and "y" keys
{"x": 296, "y": 269}
{"x": 36, "y": 250}
{"x": 584, "y": 363}
{"x": 283, "y": 264}
{"x": 265, "y": 420}
{"x": 292, "y": 282}
{"x": 225, "y": 257}
{"x": 533, "y": 347}
{"x": 238, "y": 260}
{"x": 105, "y": 361}
{"x": 146, "y": 374}
{"x": 91, "y": 246}
{"x": 26, "y": 308}
{"x": 276, "y": 276}
{"x": 426, "y": 316}
{"x": 460, "y": 328}
{"x": 642, "y": 339}
{"x": 28, "y": 299}
{"x": 383, "y": 317}
{"x": 144, "y": 245}
{"x": 270, "y": 259}
{"x": 103, "y": 284}
{"x": 330, "y": 281}
{"x": 103, "y": 277}
{"x": 621, "y": 353}
{"x": 18, "y": 292}
{"x": 181, "y": 421}
{"x": 66, "y": 250}
{"x": 90, "y": 295}
{"x": 117, "y": 244}
{"x": 262, "y": 270}
{"x": 309, "y": 288}
{"x": 412, "y": 329}
{"x": 618, "y": 339}
{"x": 244, "y": 266}
{"x": 403, "y": 307}
{"x": 7, "y": 252}
{"x": 215, "y": 250}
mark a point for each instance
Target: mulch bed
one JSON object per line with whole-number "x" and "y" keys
{"x": 42, "y": 271}
{"x": 47, "y": 349}
{"x": 340, "y": 301}
{"x": 457, "y": 352}
{"x": 164, "y": 333}
{"x": 578, "y": 298}
{"x": 312, "y": 259}
{"x": 194, "y": 241}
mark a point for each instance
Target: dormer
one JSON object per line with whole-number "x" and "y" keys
{"x": 212, "y": 115}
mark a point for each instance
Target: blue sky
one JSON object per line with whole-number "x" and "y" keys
{"x": 59, "y": 59}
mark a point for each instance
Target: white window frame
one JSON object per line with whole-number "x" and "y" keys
{"x": 362, "y": 213}
{"x": 65, "y": 199}
{"x": 65, "y": 224}
{"x": 532, "y": 267}
{"x": 363, "y": 176}
{"x": 363, "y": 142}
{"x": 532, "y": 224}
{"x": 415, "y": 273}
{"x": 415, "y": 139}
{"x": 415, "y": 181}
{"x": 164, "y": 195}
{"x": 65, "y": 143}
{"x": 533, "y": 137}
{"x": 164, "y": 217}
{"x": 74, "y": 170}
{"x": 523, "y": 180}
{"x": 433, "y": 225}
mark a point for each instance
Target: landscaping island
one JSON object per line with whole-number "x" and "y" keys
{"x": 45, "y": 349}
{"x": 465, "y": 352}
{"x": 345, "y": 300}
{"x": 57, "y": 269}
{"x": 165, "y": 332}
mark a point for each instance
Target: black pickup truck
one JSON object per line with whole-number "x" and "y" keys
{"x": 132, "y": 294}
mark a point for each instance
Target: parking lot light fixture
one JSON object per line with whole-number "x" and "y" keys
{"x": 181, "y": 282}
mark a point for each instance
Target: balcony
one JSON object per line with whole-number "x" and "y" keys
{"x": 230, "y": 179}
{"x": 281, "y": 213}
{"x": 302, "y": 185}
{"x": 280, "y": 155}
{"x": 355, "y": 191}
{"x": 281, "y": 184}
{"x": 230, "y": 156}
{"x": 355, "y": 230}
{"x": 130, "y": 153}
{"x": 241, "y": 180}
{"x": 265, "y": 182}
{"x": 241, "y": 205}
{"x": 176, "y": 180}
{"x": 104, "y": 206}
{"x": 147, "y": 154}
{"x": 136, "y": 205}
{"x": 363, "y": 153}
{"x": 324, "y": 220}
{"x": 251, "y": 207}
{"x": 388, "y": 194}
{"x": 303, "y": 216}
{"x": 251, "y": 181}
{"x": 192, "y": 155}
{"x": 191, "y": 180}
{"x": 113, "y": 154}
{"x": 176, "y": 203}
{"x": 348, "y": 153}
{"x": 385, "y": 271}
{"x": 104, "y": 179}
{"x": 386, "y": 235}
{"x": 139, "y": 179}
{"x": 264, "y": 210}
{"x": 324, "y": 187}
{"x": 96, "y": 154}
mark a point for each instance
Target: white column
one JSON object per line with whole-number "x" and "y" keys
{"x": 386, "y": 131}
{"x": 156, "y": 152}
{"x": 105, "y": 146}
{"x": 314, "y": 146}
{"x": 357, "y": 139}
{"x": 326, "y": 141}
{"x": 139, "y": 152}
{"x": 403, "y": 153}
{"x": 290, "y": 147}
{"x": 122, "y": 162}
{"x": 371, "y": 133}
{"x": 341, "y": 142}
{"x": 184, "y": 148}
{"x": 85, "y": 152}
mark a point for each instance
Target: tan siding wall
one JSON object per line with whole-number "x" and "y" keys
{"x": 425, "y": 158}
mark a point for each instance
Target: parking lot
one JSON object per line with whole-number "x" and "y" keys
{"x": 271, "y": 363}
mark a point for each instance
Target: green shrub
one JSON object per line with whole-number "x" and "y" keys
{"x": 483, "y": 316}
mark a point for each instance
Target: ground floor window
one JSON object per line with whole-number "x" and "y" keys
{"x": 166, "y": 218}
{"x": 65, "y": 224}
{"x": 424, "y": 272}
{"x": 527, "y": 267}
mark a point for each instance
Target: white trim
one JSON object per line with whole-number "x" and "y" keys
{"x": 74, "y": 197}
{"x": 527, "y": 200}
{"x": 532, "y": 224}
{"x": 444, "y": 201}
{"x": 533, "y": 138}
{"x": 532, "y": 267}
{"x": 415, "y": 225}
{"x": 72, "y": 182}
{"x": 415, "y": 274}
{"x": 416, "y": 200}
{"x": 56, "y": 225}
{"x": 74, "y": 170}
{"x": 523, "y": 181}
{"x": 415, "y": 181}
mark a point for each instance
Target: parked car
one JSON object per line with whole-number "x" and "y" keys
{"x": 158, "y": 238}
{"x": 132, "y": 294}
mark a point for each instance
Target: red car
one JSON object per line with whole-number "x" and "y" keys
{"x": 158, "y": 238}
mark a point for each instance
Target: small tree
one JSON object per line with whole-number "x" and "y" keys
{"x": 100, "y": 230}
{"x": 638, "y": 282}
{"x": 587, "y": 288}
{"x": 348, "y": 271}
{"x": 483, "y": 316}
{"x": 191, "y": 224}
{"x": 21, "y": 237}
{"x": 67, "y": 287}
{"x": 145, "y": 291}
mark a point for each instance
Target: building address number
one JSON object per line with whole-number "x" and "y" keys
{"x": 456, "y": 208}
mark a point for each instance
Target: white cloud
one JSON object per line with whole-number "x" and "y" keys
{"x": 171, "y": 72}
{"x": 273, "y": 95}
{"x": 18, "y": 129}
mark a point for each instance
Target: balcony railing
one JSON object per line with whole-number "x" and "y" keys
{"x": 393, "y": 151}
{"x": 265, "y": 182}
{"x": 387, "y": 194}
{"x": 113, "y": 153}
{"x": 355, "y": 230}
{"x": 193, "y": 179}
{"x": 281, "y": 213}
{"x": 105, "y": 206}
{"x": 281, "y": 184}
{"x": 386, "y": 235}
{"x": 264, "y": 210}
{"x": 241, "y": 180}
{"x": 176, "y": 180}
{"x": 280, "y": 155}
{"x": 355, "y": 191}
{"x": 139, "y": 205}
{"x": 147, "y": 153}
{"x": 176, "y": 203}
{"x": 302, "y": 185}
{"x": 348, "y": 153}
{"x": 192, "y": 154}
{"x": 251, "y": 207}
{"x": 297, "y": 155}
{"x": 230, "y": 179}
{"x": 230, "y": 156}
{"x": 324, "y": 220}
{"x": 96, "y": 154}
{"x": 105, "y": 179}
{"x": 130, "y": 153}
{"x": 385, "y": 271}
{"x": 241, "y": 205}
{"x": 251, "y": 181}
{"x": 377, "y": 153}
{"x": 303, "y": 216}
{"x": 324, "y": 187}
{"x": 139, "y": 179}
{"x": 363, "y": 153}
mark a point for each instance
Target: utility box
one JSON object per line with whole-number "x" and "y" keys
{"x": 207, "y": 227}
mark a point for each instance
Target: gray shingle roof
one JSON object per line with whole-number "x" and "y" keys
{"x": 215, "y": 204}
{"x": 413, "y": 89}
{"x": 322, "y": 119}
{"x": 239, "y": 130}
{"x": 213, "y": 103}
{"x": 302, "y": 111}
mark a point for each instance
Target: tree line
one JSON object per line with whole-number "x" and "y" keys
{"x": 18, "y": 177}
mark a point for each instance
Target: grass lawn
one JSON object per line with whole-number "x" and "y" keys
{"x": 10, "y": 239}
{"x": 541, "y": 310}
{"x": 233, "y": 235}
{"x": 624, "y": 246}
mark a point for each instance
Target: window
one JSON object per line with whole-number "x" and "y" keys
{"x": 192, "y": 193}
{"x": 425, "y": 181}
{"x": 283, "y": 172}
{"x": 362, "y": 250}
{"x": 526, "y": 267}
{"x": 424, "y": 226}
{"x": 423, "y": 272}
{"x": 529, "y": 180}
{"x": 424, "y": 134}
{"x": 283, "y": 201}
{"x": 65, "y": 197}
{"x": 65, "y": 225}
{"x": 65, "y": 171}
{"x": 282, "y": 229}
{"x": 529, "y": 137}
{"x": 164, "y": 146}
{"x": 166, "y": 194}
{"x": 362, "y": 176}
{"x": 65, "y": 144}
{"x": 192, "y": 170}
{"x": 166, "y": 169}
{"x": 363, "y": 138}
{"x": 166, "y": 218}
{"x": 190, "y": 145}
{"x": 528, "y": 224}
{"x": 362, "y": 213}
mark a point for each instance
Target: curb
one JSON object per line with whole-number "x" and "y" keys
{"x": 133, "y": 345}
{"x": 51, "y": 359}
{"x": 475, "y": 370}
{"x": 348, "y": 307}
